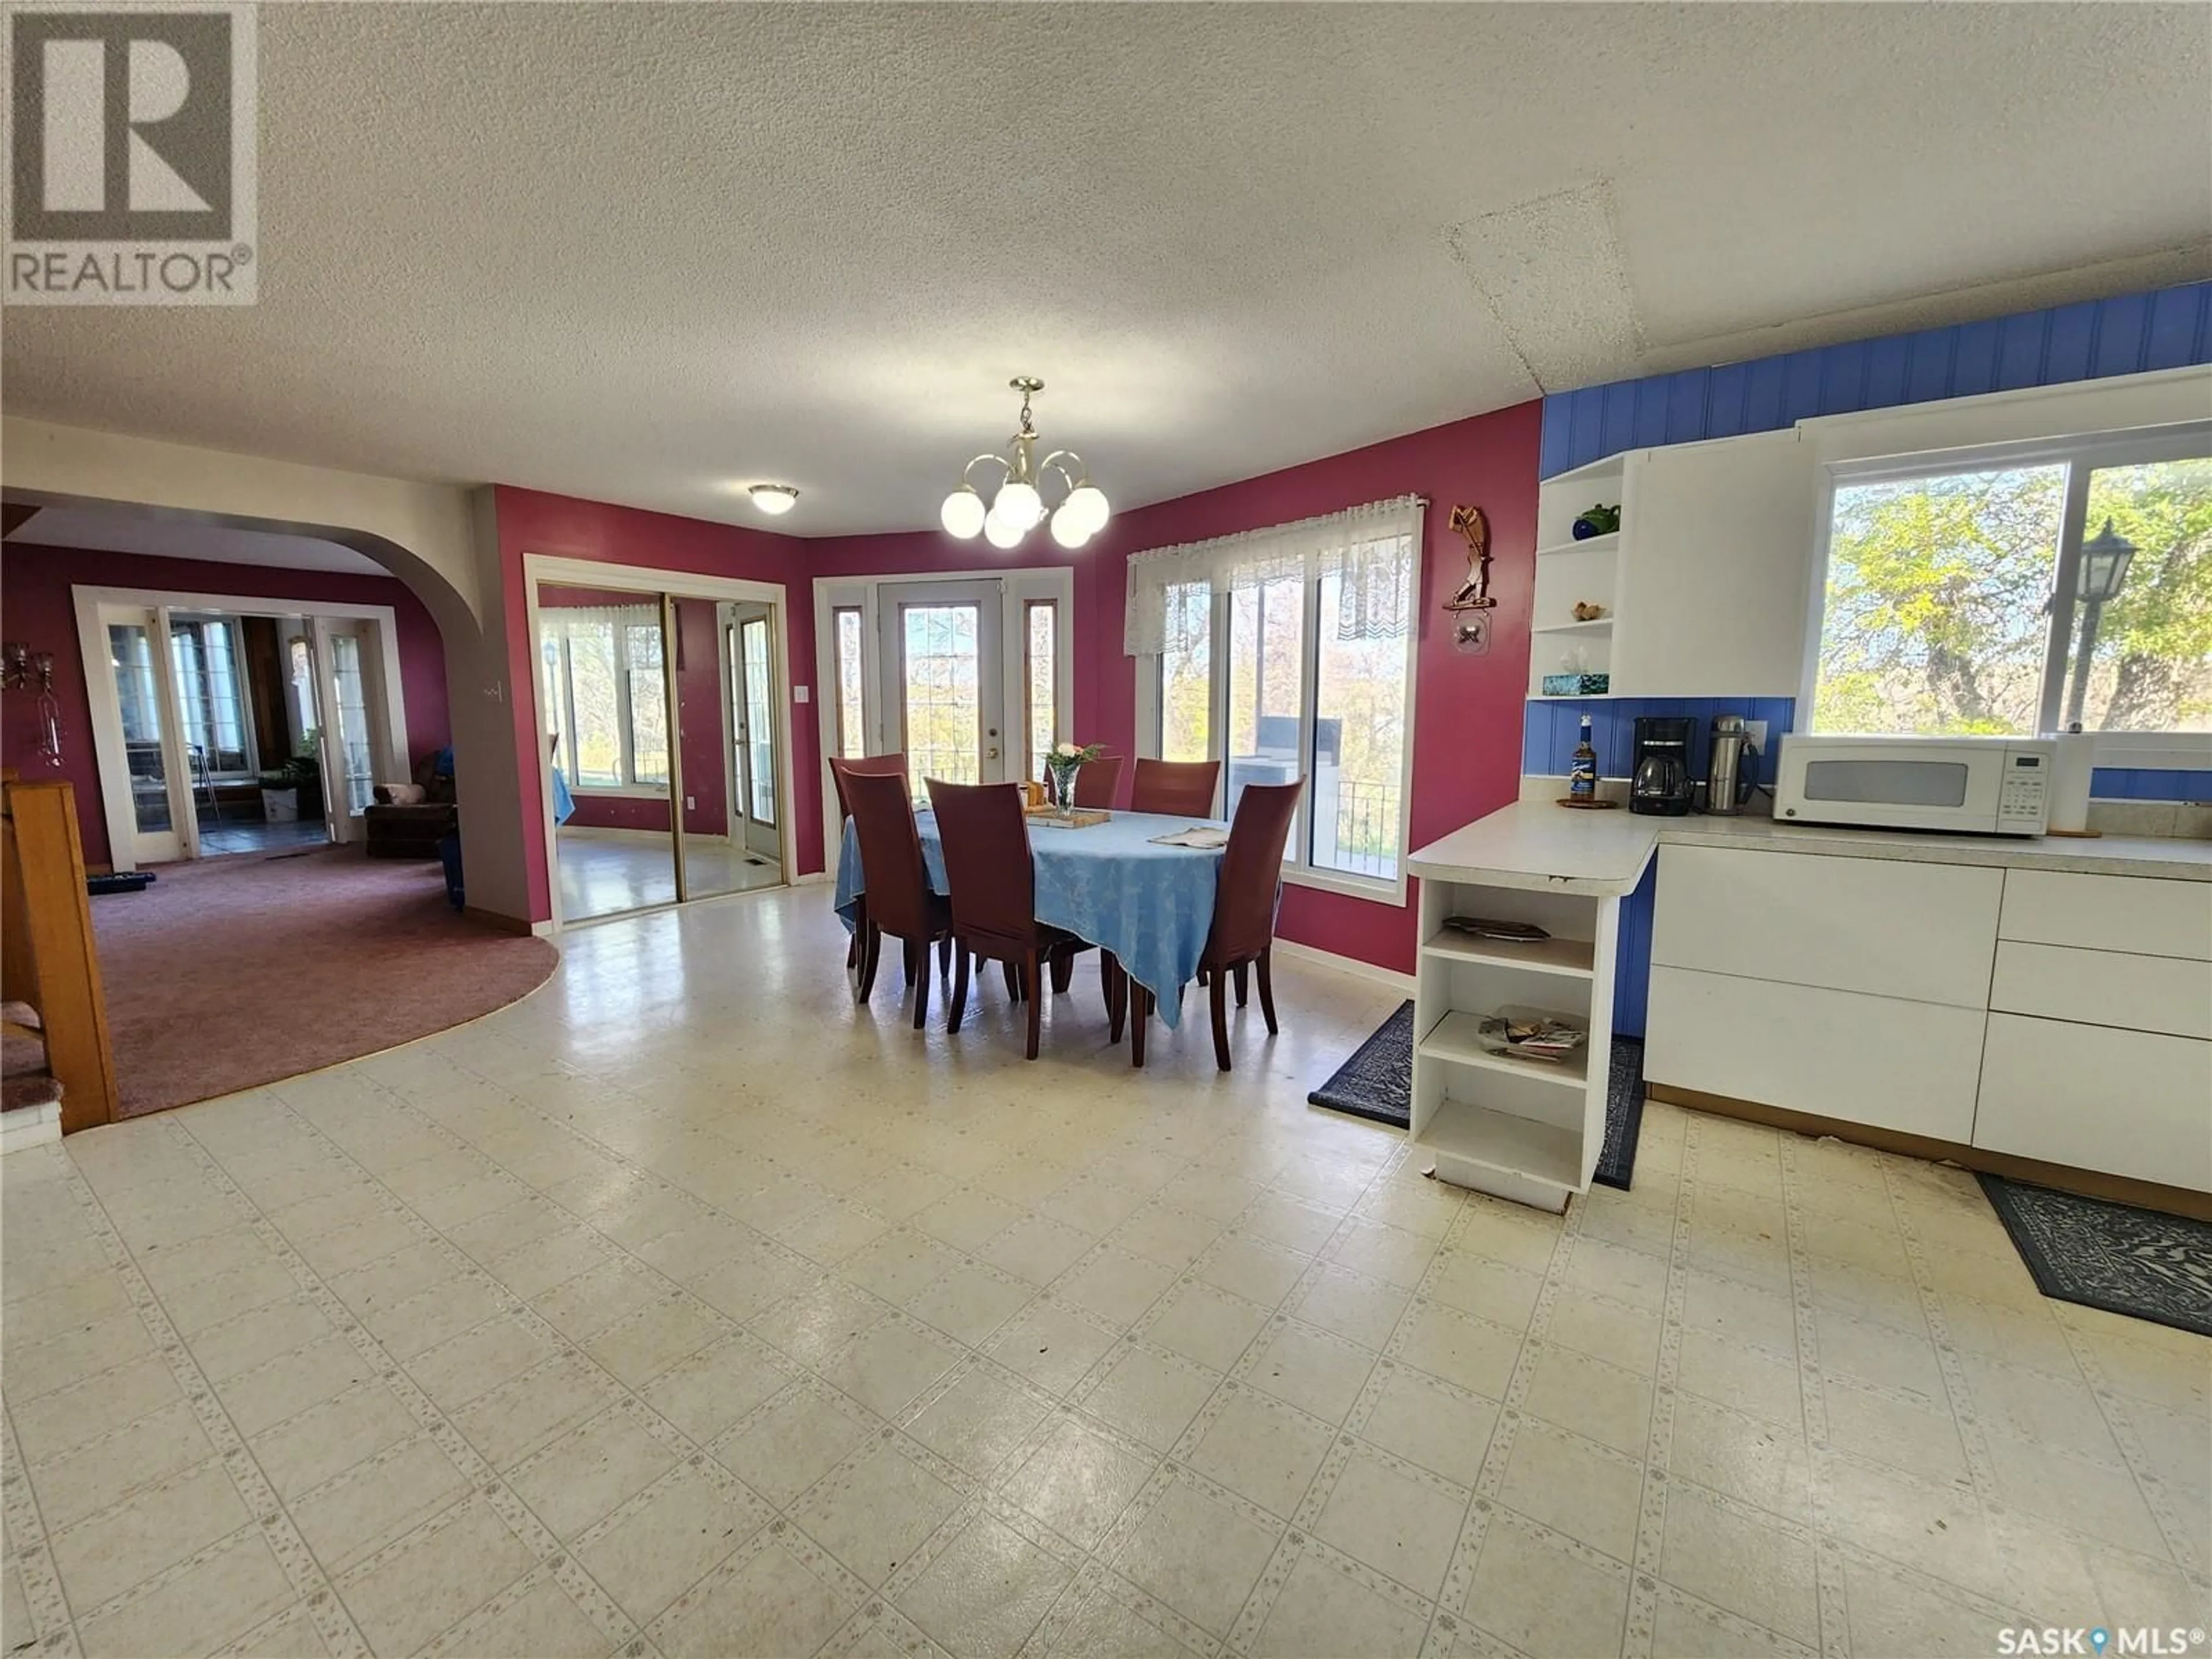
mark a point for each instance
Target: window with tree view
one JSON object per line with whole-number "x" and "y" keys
{"x": 1293, "y": 661}
{"x": 605, "y": 694}
{"x": 2013, "y": 600}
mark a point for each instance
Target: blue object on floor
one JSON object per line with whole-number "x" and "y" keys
{"x": 449, "y": 855}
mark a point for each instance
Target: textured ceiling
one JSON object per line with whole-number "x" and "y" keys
{"x": 124, "y": 531}
{"x": 649, "y": 254}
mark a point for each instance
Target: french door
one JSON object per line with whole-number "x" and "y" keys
{"x": 351, "y": 733}
{"x": 750, "y": 644}
{"x": 155, "y": 770}
{"x": 943, "y": 669}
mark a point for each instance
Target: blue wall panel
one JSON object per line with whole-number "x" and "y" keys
{"x": 2126, "y": 335}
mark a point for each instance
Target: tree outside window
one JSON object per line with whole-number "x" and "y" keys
{"x": 1940, "y": 608}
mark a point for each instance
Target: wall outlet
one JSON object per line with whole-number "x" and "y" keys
{"x": 1756, "y": 730}
{"x": 690, "y": 803}
{"x": 798, "y": 694}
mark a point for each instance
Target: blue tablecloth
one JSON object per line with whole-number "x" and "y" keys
{"x": 1108, "y": 884}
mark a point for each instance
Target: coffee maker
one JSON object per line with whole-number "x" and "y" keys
{"x": 1659, "y": 782}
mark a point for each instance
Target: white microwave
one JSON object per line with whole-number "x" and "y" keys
{"x": 1970, "y": 785}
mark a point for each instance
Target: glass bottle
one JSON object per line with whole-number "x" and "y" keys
{"x": 1582, "y": 777}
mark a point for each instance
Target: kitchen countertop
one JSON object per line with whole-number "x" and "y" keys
{"x": 2096, "y": 855}
{"x": 1554, "y": 848}
{"x": 1534, "y": 844}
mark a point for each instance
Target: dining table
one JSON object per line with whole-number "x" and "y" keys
{"x": 1111, "y": 885}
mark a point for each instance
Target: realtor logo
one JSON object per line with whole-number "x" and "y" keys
{"x": 130, "y": 167}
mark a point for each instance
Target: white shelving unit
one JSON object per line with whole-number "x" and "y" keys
{"x": 1571, "y": 572}
{"x": 1519, "y": 1129}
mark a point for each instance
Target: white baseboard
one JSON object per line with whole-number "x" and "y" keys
{"x": 1397, "y": 981}
{"x": 812, "y": 878}
{"x": 30, "y": 1126}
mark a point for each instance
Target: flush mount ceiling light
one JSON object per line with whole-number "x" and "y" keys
{"x": 774, "y": 500}
{"x": 1018, "y": 506}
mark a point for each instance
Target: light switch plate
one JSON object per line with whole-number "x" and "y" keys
{"x": 798, "y": 694}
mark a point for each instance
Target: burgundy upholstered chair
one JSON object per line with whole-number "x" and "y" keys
{"x": 993, "y": 878}
{"x": 1175, "y": 789}
{"x": 1243, "y": 931}
{"x": 899, "y": 901}
{"x": 867, "y": 765}
{"x": 1095, "y": 781}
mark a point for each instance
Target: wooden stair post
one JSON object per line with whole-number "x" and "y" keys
{"x": 48, "y": 957}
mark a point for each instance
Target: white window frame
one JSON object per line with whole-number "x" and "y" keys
{"x": 233, "y": 625}
{"x": 651, "y": 583}
{"x": 1018, "y": 585}
{"x": 108, "y": 751}
{"x": 1297, "y": 870}
{"x": 625, "y": 734}
{"x": 2083, "y": 454}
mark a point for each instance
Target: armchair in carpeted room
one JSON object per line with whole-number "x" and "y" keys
{"x": 408, "y": 820}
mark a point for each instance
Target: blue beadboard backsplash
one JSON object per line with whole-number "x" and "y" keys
{"x": 1549, "y": 729}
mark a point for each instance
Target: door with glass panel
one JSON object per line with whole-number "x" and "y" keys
{"x": 352, "y": 737}
{"x": 944, "y": 677}
{"x": 604, "y": 695}
{"x": 155, "y": 773}
{"x": 751, "y": 646}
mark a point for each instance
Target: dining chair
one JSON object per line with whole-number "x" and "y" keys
{"x": 1243, "y": 931}
{"x": 1175, "y": 789}
{"x": 993, "y": 878}
{"x": 899, "y": 901}
{"x": 1095, "y": 781}
{"x": 865, "y": 765}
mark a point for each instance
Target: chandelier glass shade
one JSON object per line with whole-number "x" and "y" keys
{"x": 1018, "y": 505}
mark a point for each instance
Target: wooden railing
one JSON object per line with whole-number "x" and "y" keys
{"x": 48, "y": 957}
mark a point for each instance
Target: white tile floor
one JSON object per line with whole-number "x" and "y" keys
{"x": 690, "y": 1310}
{"x": 605, "y": 873}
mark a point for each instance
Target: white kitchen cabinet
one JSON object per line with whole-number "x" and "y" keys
{"x": 1910, "y": 1066}
{"x": 1925, "y": 932}
{"x": 2170, "y": 994}
{"x": 2125, "y": 1102}
{"x": 1716, "y": 548}
{"x": 2110, "y": 913}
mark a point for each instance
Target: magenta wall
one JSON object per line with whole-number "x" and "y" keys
{"x": 34, "y": 600}
{"x": 1466, "y": 741}
{"x": 531, "y": 521}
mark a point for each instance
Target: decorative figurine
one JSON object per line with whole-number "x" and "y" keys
{"x": 1473, "y": 593}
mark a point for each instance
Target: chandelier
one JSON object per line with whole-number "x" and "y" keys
{"x": 1018, "y": 506}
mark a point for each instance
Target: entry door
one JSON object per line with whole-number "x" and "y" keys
{"x": 944, "y": 675}
{"x": 147, "y": 778}
{"x": 750, "y": 642}
{"x": 352, "y": 737}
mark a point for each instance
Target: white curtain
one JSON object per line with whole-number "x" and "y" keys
{"x": 557, "y": 619}
{"x": 1374, "y": 550}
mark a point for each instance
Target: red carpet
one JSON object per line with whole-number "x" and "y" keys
{"x": 234, "y": 972}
